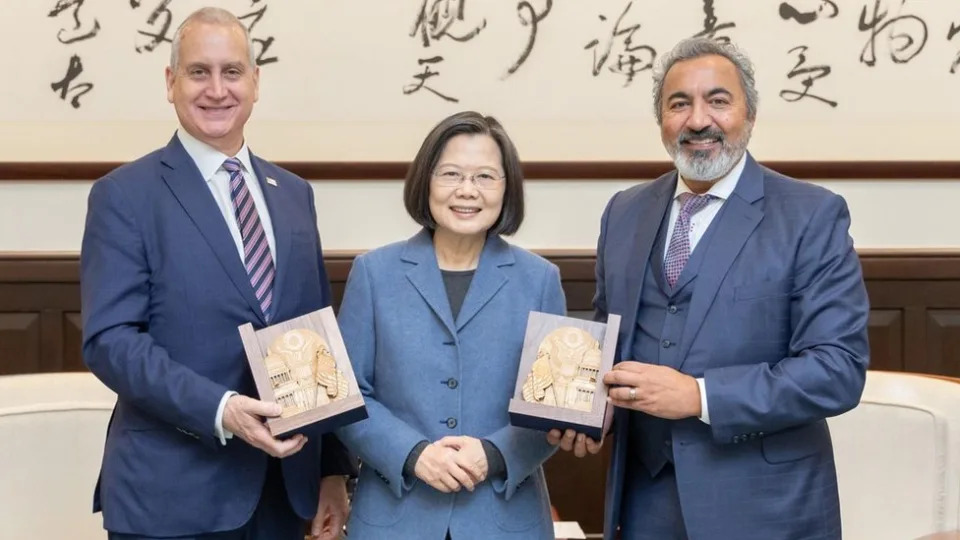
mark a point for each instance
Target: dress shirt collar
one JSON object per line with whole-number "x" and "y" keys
{"x": 208, "y": 159}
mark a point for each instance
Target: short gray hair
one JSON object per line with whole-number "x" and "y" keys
{"x": 691, "y": 48}
{"x": 208, "y": 15}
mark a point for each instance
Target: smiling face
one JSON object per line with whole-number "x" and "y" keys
{"x": 705, "y": 126}
{"x": 215, "y": 86}
{"x": 466, "y": 210}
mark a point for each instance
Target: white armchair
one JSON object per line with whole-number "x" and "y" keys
{"x": 898, "y": 458}
{"x": 52, "y": 429}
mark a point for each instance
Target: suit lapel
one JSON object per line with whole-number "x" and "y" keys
{"x": 425, "y": 277}
{"x": 734, "y": 225}
{"x": 648, "y": 214}
{"x": 280, "y": 219}
{"x": 190, "y": 189}
{"x": 487, "y": 280}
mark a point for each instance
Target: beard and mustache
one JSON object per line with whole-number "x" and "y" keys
{"x": 698, "y": 165}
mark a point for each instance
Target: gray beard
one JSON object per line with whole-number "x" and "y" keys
{"x": 700, "y": 167}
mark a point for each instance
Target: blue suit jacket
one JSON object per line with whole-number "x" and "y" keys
{"x": 777, "y": 326}
{"x": 163, "y": 291}
{"x": 406, "y": 348}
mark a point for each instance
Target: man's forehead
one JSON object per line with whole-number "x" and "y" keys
{"x": 705, "y": 72}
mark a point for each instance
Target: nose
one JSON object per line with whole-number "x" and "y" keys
{"x": 217, "y": 89}
{"x": 699, "y": 116}
{"x": 467, "y": 188}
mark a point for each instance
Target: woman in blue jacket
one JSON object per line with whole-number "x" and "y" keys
{"x": 434, "y": 326}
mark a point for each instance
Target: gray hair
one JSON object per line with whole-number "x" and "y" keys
{"x": 691, "y": 48}
{"x": 208, "y": 15}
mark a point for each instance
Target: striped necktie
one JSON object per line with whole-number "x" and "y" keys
{"x": 678, "y": 251}
{"x": 256, "y": 251}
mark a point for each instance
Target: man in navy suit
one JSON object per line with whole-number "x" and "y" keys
{"x": 180, "y": 248}
{"x": 744, "y": 326}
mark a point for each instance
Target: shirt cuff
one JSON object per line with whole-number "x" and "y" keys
{"x": 496, "y": 466}
{"x": 410, "y": 465}
{"x": 704, "y": 411}
{"x": 222, "y": 434}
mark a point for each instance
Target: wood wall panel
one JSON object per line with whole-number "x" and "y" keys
{"x": 886, "y": 339}
{"x": 870, "y": 171}
{"x": 19, "y": 343}
{"x": 943, "y": 342}
{"x": 914, "y": 321}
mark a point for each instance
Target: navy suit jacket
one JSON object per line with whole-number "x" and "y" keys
{"x": 163, "y": 291}
{"x": 777, "y": 326}
{"x": 425, "y": 375}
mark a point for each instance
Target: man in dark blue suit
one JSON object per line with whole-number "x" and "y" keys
{"x": 744, "y": 326}
{"x": 180, "y": 248}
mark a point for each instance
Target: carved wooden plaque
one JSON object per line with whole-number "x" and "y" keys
{"x": 560, "y": 379}
{"x": 302, "y": 364}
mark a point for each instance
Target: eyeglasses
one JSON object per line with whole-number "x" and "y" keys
{"x": 482, "y": 178}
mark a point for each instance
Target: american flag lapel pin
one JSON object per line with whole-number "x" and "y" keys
{"x": 271, "y": 181}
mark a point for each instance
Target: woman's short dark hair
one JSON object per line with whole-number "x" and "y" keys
{"x": 416, "y": 187}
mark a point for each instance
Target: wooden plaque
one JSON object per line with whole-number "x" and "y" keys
{"x": 560, "y": 379}
{"x": 303, "y": 365}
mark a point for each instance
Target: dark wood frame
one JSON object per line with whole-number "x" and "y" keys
{"x": 326, "y": 417}
{"x": 547, "y": 417}
{"x": 533, "y": 170}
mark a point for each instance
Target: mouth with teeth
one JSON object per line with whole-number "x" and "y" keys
{"x": 703, "y": 141}
{"x": 216, "y": 110}
{"x": 465, "y": 211}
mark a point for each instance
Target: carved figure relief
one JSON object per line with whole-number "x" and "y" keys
{"x": 566, "y": 370}
{"x": 303, "y": 372}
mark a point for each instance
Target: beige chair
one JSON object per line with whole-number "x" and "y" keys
{"x": 52, "y": 429}
{"x": 898, "y": 458}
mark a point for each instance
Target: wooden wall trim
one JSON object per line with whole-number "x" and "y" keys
{"x": 534, "y": 170}
{"x": 576, "y": 265}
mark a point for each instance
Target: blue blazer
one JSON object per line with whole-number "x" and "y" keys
{"x": 778, "y": 329}
{"x": 425, "y": 375}
{"x": 163, "y": 291}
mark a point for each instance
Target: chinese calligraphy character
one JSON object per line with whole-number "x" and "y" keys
{"x": 65, "y": 85}
{"x": 262, "y": 44}
{"x": 788, "y": 12}
{"x": 423, "y": 77}
{"x": 953, "y": 31}
{"x": 434, "y": 21}
{"x": 810, "y": 75}
{"x": 710, "y": 26}
{"x": 158, "y": 37}
{"x": 532, "y": 19}
{"x": 628, "y": 63}
{"x": 903, "y": 45}
{"x": 63, "y": 5}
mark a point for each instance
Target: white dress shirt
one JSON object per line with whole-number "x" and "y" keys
{"x": 699, "y": 222}
{"x": 209, "y": 162}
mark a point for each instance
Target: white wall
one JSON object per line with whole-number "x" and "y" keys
{"x": 359, "y": 215}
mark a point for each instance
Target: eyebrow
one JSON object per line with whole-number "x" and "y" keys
{"x": 206, "y": 66}
{"x": 719, "y": 90}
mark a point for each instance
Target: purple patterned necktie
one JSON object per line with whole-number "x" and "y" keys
{"x": 256, "y": 250}
{"x": 679, "y": 251}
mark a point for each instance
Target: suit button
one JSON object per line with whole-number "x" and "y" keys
{"x": 452, "y": 383}
{"x": 666, "y": 343}
{"x": 672, "y": 308}
{"x": 451, "y": 422}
